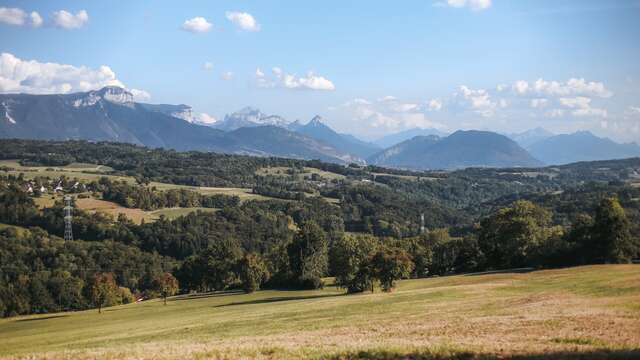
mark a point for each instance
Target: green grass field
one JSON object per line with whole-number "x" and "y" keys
{"x": 593, "y": 310}
{"x": 173, "y": 213}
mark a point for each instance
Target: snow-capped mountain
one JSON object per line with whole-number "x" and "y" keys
{"x": 249, "y": 117}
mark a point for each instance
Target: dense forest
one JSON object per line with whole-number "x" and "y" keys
{"x": 361, "y": 225}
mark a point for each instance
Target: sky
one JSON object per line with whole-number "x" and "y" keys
{"x": 369, "y": 68}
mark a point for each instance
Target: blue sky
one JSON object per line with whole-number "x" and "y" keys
{"x": 368, "y": 68}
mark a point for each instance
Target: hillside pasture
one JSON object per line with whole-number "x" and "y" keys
{"x": 589, "y": 312}
{"x": 113, "y": 209}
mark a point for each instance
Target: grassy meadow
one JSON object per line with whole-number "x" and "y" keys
{"x": 591, "y": 311}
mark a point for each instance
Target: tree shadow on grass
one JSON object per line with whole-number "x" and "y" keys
{"x": 206, "y": 295}
{"x": 42, "y": 318}
{"x": 279, "y": 299}
{"x": 573, "y": 355}
{"x": 505, "y": 271}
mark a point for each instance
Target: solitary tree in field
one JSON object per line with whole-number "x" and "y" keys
{"x": 166, "y": 285}
{"x": 611, "y": 238}
{"x": 509, "y": 237}
{"x": 104, "y": 290}
{"x": 252, "y": 272}
{"x": 390, "y": 264}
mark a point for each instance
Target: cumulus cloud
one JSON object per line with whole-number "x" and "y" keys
{"x": 279, "y": 78}
{"x": 36, "y": 19}
{"x": 140, "y": 95}
{"x": 66, "y": 20}
{"x": 19, "y": 17}
{"x": 581, "y": 106}
{"x": 389, "y": 113}
{"x": 208, "y": 66}
{"x": 227, "y": 75}
{"x": 197, "y": 24}
{"x": 539, "y": 103}
{"x": 205, "y": 118}
{"x": 476, "y": 100}
{"x": 435, "y": 105}
{"x": 572, "y": 87}
{"x": 475, "y": 5}
{"x": 12, "y": 16}
{"x": 30, "y": 76}
{"x": 243, "y": 20}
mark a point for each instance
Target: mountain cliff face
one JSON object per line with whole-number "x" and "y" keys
{"x": 581, "y": 146}
{"x": 249, "y": 117}
{"x": 458, "y": 150}
{"x": 109, "y": 114}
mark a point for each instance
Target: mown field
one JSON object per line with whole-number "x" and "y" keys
{"x": 590, "y": 312}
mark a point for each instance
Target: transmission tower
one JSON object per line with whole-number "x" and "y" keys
{"x": 68, "y": 208}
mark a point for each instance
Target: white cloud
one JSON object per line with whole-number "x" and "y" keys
{"x": 476, "y": 100}
{"x": 140, "y": 95}
{"x": 573, "y": 87}
{"x": 208, "y": 66}
{"x": 197, "y": 24}
{"x": 243, "y": 20}
{"x": 388, "y": 113}
{"x": 475, "y": 5}
{"x": 12, "y": 16}
{"x": 227, "y": 75}
{"x": 30, "y": 76}
{"x": 520, "y": 87}
{"x": 18, "y": 17}
{"x": 288, "y": 81}
{"x": 66, "y": 20}
{"x": 435, "y": 105}
{"x": 581, "y": 106}
{"x": 539, "y": 103}
{"x": 205, "y": 118}
{"x": 387, "y": 98}
{"x": 635, "y": 110}
{"x": 36, "y": 19}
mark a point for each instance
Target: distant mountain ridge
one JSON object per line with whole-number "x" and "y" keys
{"x": 459, "y": 150}
{"x": 530, "y": 137}
{"x": 318, "y": 130}
{"x": 110, "y": 114}
{"x": 396, "y": 138}
{"x": 581, "y": 146}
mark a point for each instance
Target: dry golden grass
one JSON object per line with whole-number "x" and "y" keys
{"x": 594, "y": 308}
{"x": 108, "y": 207}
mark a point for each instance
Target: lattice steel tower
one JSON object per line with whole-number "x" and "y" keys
{"x": 68, "y": 208}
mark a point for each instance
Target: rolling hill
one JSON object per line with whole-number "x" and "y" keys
{"x": 586, "y": 312}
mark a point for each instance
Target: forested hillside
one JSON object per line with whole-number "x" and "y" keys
{"x": 303, "y": 221}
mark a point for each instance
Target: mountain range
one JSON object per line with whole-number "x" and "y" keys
{"x": 396, "y": 138}
{"x": 110, "y": 114}
{"x": 461, "y": 149}
{"x": 580, "y": 146}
